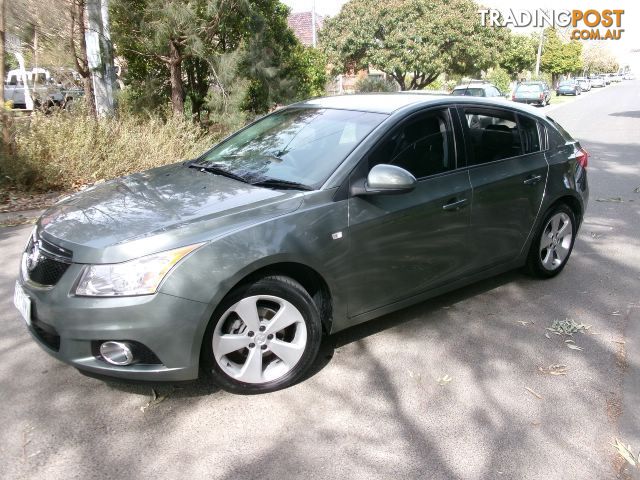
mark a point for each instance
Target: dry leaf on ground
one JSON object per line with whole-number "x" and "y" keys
{"x": 557, "y": 369}
{"x": 625, "y": 452}
{"x": 534, "y": 393}
{"x": 155, "y": 399}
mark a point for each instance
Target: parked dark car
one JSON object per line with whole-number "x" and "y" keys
{"x": 537, "y": 93}
{"x": 568, "y": 87}
{"x": 317, "y": 217}
{"x": 478, "y": 88}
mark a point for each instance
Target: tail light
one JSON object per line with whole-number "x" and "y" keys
{"x": 513, "y": 97}
{"x": 541, "y": 96}
{"x": 582, "y": 157}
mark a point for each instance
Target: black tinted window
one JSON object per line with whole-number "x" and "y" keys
{"x": 530, "y": 137}
{"x": 492, "y": 135}
{"x": 422, "y": 146}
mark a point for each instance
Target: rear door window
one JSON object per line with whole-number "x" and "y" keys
{"x": 492, "y": 135}
{"x": 530, "y": 135}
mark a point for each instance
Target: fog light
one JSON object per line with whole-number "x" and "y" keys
{"x": 117, "y": 353}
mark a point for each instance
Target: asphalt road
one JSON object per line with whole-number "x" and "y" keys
{"x": 374, "y": 408}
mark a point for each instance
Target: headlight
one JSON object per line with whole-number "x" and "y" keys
{"x": 135, "y": 277}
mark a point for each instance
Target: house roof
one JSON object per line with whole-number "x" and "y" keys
{"x": 301, "y": 24}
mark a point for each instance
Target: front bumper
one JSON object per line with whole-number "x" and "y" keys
{"x": 69, "y": 328}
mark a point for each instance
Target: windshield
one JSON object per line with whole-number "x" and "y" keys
{"x": 299, "y": 145}
{"x": 566, "y": 83}
{"x": 529, "y": 89}
{"x": 470, "y": 92}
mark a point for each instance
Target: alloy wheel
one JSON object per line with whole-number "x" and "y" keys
{"x": 556, "y": 241}
{"x": 259, "y": 339}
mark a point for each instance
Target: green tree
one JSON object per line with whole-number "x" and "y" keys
{"x": 560, "y": 57}
{"x": 596, "y": 59}
{"x": 413, "y": 41}
{"x": 368, "y": 84}
{"x": 519, "y": 55}
{"x": 176, "y": 50}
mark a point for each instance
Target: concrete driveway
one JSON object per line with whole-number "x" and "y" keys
{"x": 374, "y": 407}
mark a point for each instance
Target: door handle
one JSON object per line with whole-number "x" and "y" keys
{"x": 455, "y": 205}
{"x": 533, "y": 179}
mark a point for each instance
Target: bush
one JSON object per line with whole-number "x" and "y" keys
{"x": 64, "y": 150}
{"x": 372, "y": 84}
{"x": 500, "y": 78}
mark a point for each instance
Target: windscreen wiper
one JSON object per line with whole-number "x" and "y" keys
{"x": 278, "y": 183}
{"x": 217, "y": 170}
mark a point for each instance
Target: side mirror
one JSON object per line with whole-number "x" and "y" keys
{"x": 385, "y": 179}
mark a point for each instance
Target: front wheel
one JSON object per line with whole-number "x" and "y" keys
{"x": 265, "y": 336}
{"x": 553, "y": 243}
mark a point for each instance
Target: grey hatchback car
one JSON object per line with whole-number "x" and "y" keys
{"x": 315, "y": 218}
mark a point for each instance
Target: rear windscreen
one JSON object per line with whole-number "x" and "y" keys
{"x": 470, "y": 92}
{"x": 528, "y": 89}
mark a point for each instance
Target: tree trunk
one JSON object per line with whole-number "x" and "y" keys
{"x": 82, "y": 61}
{"x": 399, "y": 77}
{"x": 2, "y": 22}
{"x": 175, "y": 68}
{"x": 4, "y": 118}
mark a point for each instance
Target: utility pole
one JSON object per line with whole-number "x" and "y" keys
{"x": 539, "y": 52}
{"x": 313, "y": 24}
{"x": 2, "y": 10}
{"x": 100, "y": 55}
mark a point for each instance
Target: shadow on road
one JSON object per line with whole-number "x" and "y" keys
{"x": 630, "y": 114}
{"x": 372, "y": 405}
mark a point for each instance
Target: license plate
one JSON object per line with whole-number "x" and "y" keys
{"x": 22, "y": 303}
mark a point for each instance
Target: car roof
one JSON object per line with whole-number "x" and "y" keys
{"x": 370, "y": 102}
{"x": 473, "y": 85}
{"x": 389, "y": 103}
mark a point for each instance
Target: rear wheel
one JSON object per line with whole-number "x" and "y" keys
{"x": 553, "y": 243}
{"x": 263, "y": 337}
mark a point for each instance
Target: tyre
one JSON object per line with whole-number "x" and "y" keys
{"x": 551, "y": 247}
{"x": 263, "y": 337}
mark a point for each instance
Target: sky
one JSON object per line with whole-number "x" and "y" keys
{"x": 621, "y": 48}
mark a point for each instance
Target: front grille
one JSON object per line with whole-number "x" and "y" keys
{"x": 44, "y": 263}
{"x": 46, "y": 271}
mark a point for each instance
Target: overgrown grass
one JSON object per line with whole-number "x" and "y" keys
{"x": 63, "y": 150}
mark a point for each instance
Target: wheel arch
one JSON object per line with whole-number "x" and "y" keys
{"x": 310, "y": 279}
{"x": 573, "y": 203}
